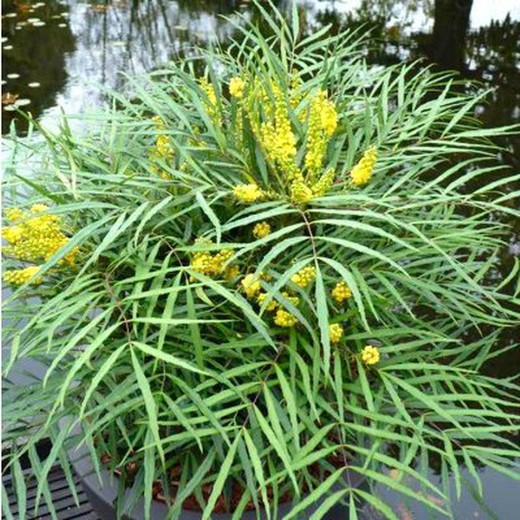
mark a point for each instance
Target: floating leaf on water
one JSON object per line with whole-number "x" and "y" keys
{"x": 9, "y": 99}
{"x": 56, "y": 16}
{"x": 20, "y": 24}
{"x": 13, "y": 75}
{"x": 65, "y": 15}
{"x": 33, "y": 20}
{"x": 4, "y": 82}
{"x": 22, "y": 102}
{"x": 38, "y": 24}
{"x": 7, "y": 47}
{"x": 4, "y": 39}
{"x": 11, "y": 15}
{"x": 62, "y": 25}
{"x": 34, "y": 84}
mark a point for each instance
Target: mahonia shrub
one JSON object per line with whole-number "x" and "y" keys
{"x": 264, "y": 282}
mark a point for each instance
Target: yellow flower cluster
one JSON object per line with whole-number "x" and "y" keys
{"x": 300, "y": 192}
{"x": 283, "y": 318}
{"x": 323, "y": 121}
{"x": 163, "y": 149}
{"x": 262, "y": 229}
{"x": 271, "y": 306}
{"x": 370, "y": 355}
{"x": 36, "y": 237}
{"x": 211, "y": 102}
{"x": 214, "y": 265}
{"x": 336, "y": 332}
{"x": 14, "y": 214}
{"x": 324, "y": 183}
{"x": 362, "y": 171}
{"x": 236, "y": 87}
{"x": 251, "y": 285}
{"x": 276, "y": 135}
{"x": 293, "y": 300}
{"x": 22, "y": 276}
{"x": 304, "y": 277}
{"x": 248, "y": 193}
{"x": 341, "y": 292}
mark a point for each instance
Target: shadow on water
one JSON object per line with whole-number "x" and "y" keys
{"x": 57, "y": 52}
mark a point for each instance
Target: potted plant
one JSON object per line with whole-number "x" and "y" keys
{"x": 257, "y": 284}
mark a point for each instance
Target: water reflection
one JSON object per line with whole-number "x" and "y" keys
{"x": 71, "y": 47}
{"x": 36, "y": 41}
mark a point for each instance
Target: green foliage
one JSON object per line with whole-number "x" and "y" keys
{"x": 155, "y": 338}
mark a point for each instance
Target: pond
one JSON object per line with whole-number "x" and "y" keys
{"x": 56, "y": 54}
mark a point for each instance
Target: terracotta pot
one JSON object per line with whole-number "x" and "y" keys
{"x": 102, "y": 497}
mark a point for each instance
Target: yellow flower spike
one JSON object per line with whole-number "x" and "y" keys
{"x": 329, "y": 117}
{"x": 236, "y": 87}
{"x": 271, "y": 306}
{"x": 323, "y": 121}
{"x": 208, "y": 89}
{"x": 362, "y": 171}
{"x": 370, "y": 355}
{"x": 341, "y": 292}
{"x": 13, "y": 214}
{"x": 38, "y": 208}
{"x": 231, "y": 272}
{"x": 285, "y": 319}
{"x": 293, "y": 300}
{"x": 12, "y": 234}
{"x": 22, "y": 276}
{"x": 300, "y": 192}
{"x": 304, "y": 277}
{"x": 248, "y": 193}
{"x": 262, "y": 229}
{"x": 250, "y": 285}
{"x": 324, "y": 183}
{"x": 37, "y": 238}
{"x": 163, "y": 150}
{"x": 336, "y": 332}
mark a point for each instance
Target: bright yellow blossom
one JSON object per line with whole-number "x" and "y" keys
{"x": 248, "y": 193}
{"x": 304, "y": 276}
{"x": 163, "y": 150}
{"x": 215, "y": 265}
{"x": 293, "y": 300}
{"x": 323, "y": 120}
{"x": 262, "y": 229}
{"x": 13, "y": 214}
{"x": 324, "y": 183}
{"x": 236, "y": 87}
{"x": 12, "y": 234}
{"x": 251, "y": 285}
{"x": 21, "y": 276}
{"x": 370, "y": 355}
{"x": 285, "y": 319}
{"x": 341, "y": 292}
{"x": 209, "y": 90}
{"x": 336, "y": 332}
{"x": 300, "y": 192}
{"x": 362, "y": 171}
{"x": 37, "y": 237}
{"x": 271, "y": 306}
